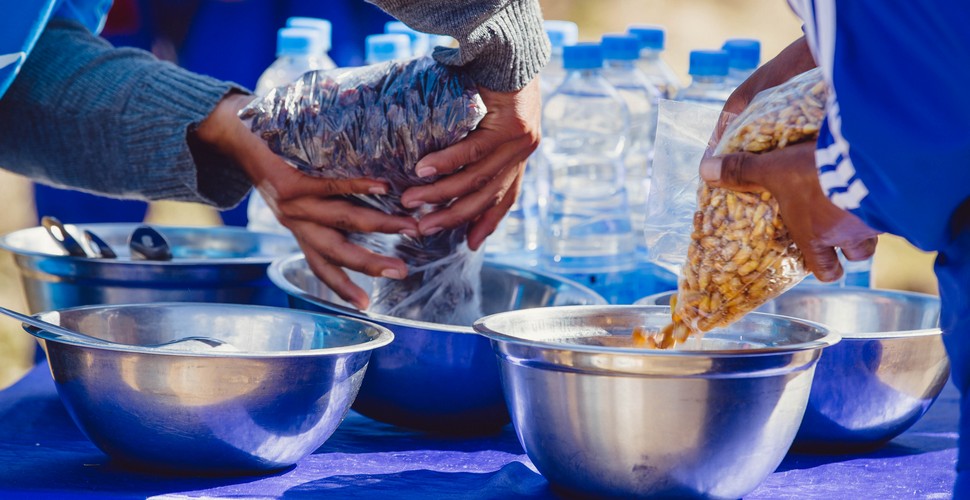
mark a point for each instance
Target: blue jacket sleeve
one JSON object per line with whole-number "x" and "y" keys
{"x": 895, "y": 148}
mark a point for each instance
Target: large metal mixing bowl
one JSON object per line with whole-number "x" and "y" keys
{"x": 602, "y": 418}
{"x": 211, "y": 411}
{"x": 889, "y": 368}
{"x": 435, "y": 377}
{"x": 215, "y": 264}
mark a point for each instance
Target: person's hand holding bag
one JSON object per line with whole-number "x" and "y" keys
{"x": 311, "y": 207}
{"x": 816, "y": 225}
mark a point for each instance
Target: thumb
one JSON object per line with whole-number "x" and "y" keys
{"x": 737, "y": 171}
{"x": 750, "y": 171}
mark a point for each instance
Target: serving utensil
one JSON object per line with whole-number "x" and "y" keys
{"x": 183, "y": 344}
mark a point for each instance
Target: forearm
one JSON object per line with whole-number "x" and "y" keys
{"x": 502, "y": 42}
{"x": 85, "y": 115}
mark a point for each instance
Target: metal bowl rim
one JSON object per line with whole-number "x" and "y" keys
{"x": 276, "y": 276}
{"x": 650, "y": 300}
{"x": 383, "y": 338}
{"x": 179, "y": 262}
{"x": 829, "y": 338}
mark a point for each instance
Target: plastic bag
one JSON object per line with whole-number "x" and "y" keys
{"x": 378, "y": 121}
{"x": 741, "y": 254}
{"x": 683, "y": 134}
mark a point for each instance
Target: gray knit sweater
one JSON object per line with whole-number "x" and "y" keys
{"x": 85, "y": 115}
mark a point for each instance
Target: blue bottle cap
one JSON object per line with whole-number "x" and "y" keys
{"x": 708, "y": 63}
{"x": 650, "y": 36}
{"x": 620, "y": 47}
{"x": 387, "y": 47}
{"x": 743, "y": 53}
{"x": 321, "y": 25}
{"x": 420, "y": 42}
{"x": 582, "y": 56}
{"x": 561, "y": 33}
{"x": 298, "y": 42}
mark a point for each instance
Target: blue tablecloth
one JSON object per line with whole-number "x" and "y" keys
{"x": 43, "y": 455}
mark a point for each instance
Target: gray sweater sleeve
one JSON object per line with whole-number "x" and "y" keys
{"x": 501, "y": 42}
{"x": 85, "y": 115}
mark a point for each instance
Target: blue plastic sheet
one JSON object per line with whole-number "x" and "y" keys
{"x": 43, "y": 455}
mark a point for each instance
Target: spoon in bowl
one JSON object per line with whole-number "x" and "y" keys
{"x": 63, "y": 238}
{"x": 182, "y": 344}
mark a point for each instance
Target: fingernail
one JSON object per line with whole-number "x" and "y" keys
{"x": 377, "y": 190}
{"x": 431, "y": 230}
{"x": 425, "y": 171}
{"x": 711, "y": 169}
{"x": 411, "y": 233}
{"x": 413, "y": 203}
{"x": 393, "y": 274}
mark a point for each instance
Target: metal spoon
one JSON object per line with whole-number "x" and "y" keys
{"x": 62, "y": 237}
{"x": 146, "y": 243}
{"x": 100, "y": 248}
{"x": 182, "y": 344}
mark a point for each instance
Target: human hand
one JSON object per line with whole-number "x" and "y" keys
{"x": 312, "y": 208}
{"x": 486, "y": 167}
{"x": 793, "y": 60}
{"x": 816, "y": 225}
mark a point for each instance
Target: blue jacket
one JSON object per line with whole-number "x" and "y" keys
{"x": 895, "y": 149}
{"x": 24, "y": 20}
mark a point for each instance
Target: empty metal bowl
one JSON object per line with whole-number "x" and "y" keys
{"x": 601, "y": 418}
{"x": 211, "y": 411}
{"x": 435, "y": 377}
{"x": 213, "y": 264}
{"x": 884, "y": 375}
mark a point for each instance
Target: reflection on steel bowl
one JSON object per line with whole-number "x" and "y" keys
{"x": 434, "y": 377}
{"x": 602, "y": 418}
{"x": 881, "y": 379}
{"x": 211, "y": 411}
{"x": 215, "y": 264}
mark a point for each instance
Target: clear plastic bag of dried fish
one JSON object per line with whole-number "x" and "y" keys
{"x": 741, "y": 254}
{"x": 377, "y": 122}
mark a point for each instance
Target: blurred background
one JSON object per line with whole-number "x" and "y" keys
{"x": 235, "y": 40}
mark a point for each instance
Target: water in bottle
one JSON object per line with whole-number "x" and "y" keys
{"x": 298, "y": 50}
{"x": 651, "y": 63}
{"x": 516, "y": 239}
{"x": 561, "y": 34}
{"x": 586, "y": 232}
{"x": 744, "y": 56}
{"x": 620, "y": 53}
{"x": 708, "y": 72}
{"x": 325, "y": 29}
{"x": 387, "y": 47}
{"x": 420, "y": 42}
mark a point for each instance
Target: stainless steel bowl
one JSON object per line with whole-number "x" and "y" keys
{"x": 211, "y": 411}
{"x": 601, "y": 418}
{"x": 434, "y": 377}
{"x": 216, "y": 264}
{"x": 889, "y": 368}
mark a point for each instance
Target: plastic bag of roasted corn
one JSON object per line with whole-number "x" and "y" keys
{"x": 741, "y": 254}
{"x": 377, "y": 122}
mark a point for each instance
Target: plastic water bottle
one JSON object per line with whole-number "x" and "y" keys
{"x": 856, "y": 273}
{"x": 516, "y": 239}
{"x": 561, "y": 34}
{"x": 744, "y": 56}
{"x": 620, "y": 53}
{"x": 708, "y": 71}
{"x": 298, "y": 50}
{"x": 420, "y": 42}
{"x": 324, "y": 28}
{"x": 387, "y": 47}
{"x": 651, "y": 64}
{"x": 586, "y": 230}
